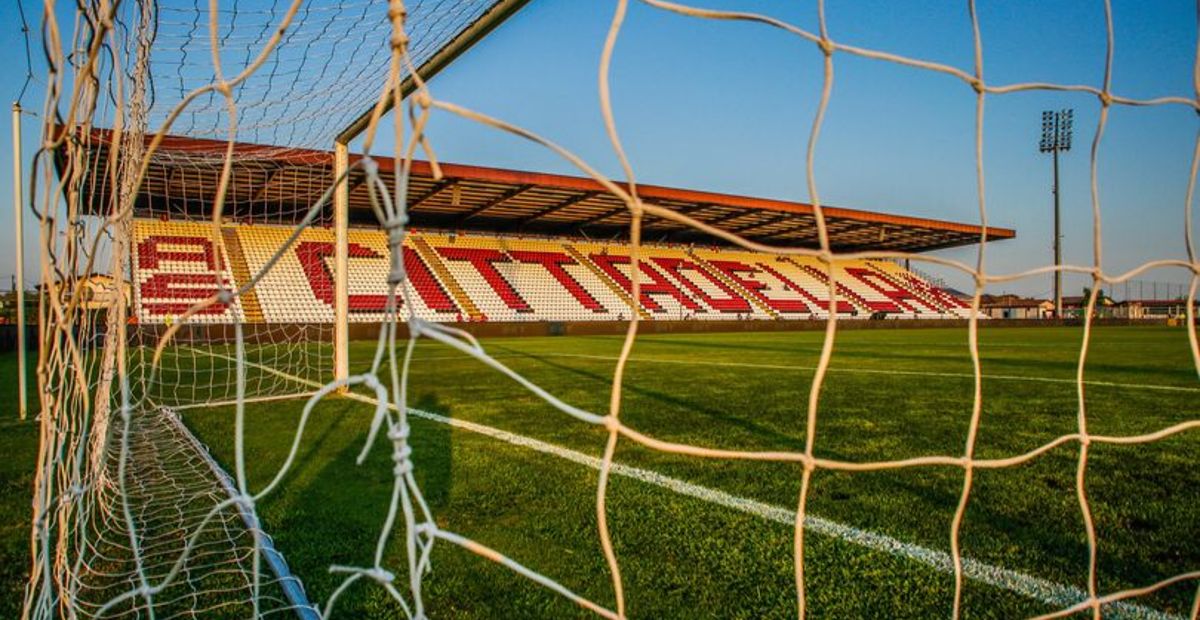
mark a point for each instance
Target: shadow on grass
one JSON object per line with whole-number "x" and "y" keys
{"x": 433, "y": 452}
{"x": 785, "y": 441}
{"x": 334, "y": 513}
{"x": 925, "y": 492}
{"x": 993, "y": 361}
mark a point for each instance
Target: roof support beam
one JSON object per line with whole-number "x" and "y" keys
{"x": 495, "y": 202}
{"x": 170, "y": 178}
{"x": 566, "y": 204}
{"x": 600, "y": 218}
{"x": 800, "y": 224}
{"x": 682, "y": 211}
{"x": 267, "y": 184}
{"x": 694, "y": 208}
{"x": 782, "y": 217}
{"x": 729, "y": 217}
{"x": 274, "y": 178}
{"x": 849, "y": 229}
{"x": 438, "y": 188}
{"x": 616, "y": 211}
{"x": 355, "y": 181}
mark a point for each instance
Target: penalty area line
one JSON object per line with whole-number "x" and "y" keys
{"x": 1051, "y": 593}
{"x": 871, "y": 371}
{"x": 1054, "y": 594}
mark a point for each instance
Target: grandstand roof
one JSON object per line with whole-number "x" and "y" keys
{"x": 183, "y": 178}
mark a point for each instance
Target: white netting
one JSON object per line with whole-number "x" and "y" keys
{"x": 120, "y": 493}
{"x": 174, "y": 262}
{"x": 331, "y": 59}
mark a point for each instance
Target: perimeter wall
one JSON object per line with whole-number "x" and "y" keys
{"x": 260, "y": 333}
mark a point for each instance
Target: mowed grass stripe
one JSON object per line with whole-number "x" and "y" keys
{"x": 872, "y": 371}
{"x": 1042, "y": 590}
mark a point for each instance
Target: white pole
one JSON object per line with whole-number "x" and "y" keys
{"x": 18, "y": 182}
{"x": 341, "y": 251}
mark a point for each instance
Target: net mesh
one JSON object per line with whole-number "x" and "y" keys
{"x": 132, "y": 519}
{"x": 172, "y": 232}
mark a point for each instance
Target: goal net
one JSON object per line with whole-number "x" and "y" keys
{"x": 132, "y": 517}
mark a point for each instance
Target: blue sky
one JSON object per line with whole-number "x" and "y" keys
{"x": 728, "y": 107}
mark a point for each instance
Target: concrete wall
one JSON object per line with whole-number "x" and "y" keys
{"x": 8, "y": 339}
{"x": 500, "y": 330}
{"x": 266, "y": 333}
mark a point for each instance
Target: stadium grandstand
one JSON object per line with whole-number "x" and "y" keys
{"x": 488, "y": 244}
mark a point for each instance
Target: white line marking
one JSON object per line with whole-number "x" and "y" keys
{"x": 792, "y": 367}
{"x": 1057, "y": 595}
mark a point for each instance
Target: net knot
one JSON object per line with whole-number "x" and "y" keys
{"x": 977, "y": 85}
{"x": 1106, "y": 98}
{"x": 225, "y": 296}
{"x": 399, "y": 40}
{"x": 369, "y": 166}
{"x": 399, "y": 432}
{"x": 611, "y": 423}
{"x": 395, "y": 223}
{"x": 370, "y": 381}
{"x": 72, "y": 492}
{"x": 380, "y": 575}
{"x": 401, "y": 456}
{"x": 395, "y": 231}
{"x": 826, "y": 46}
{"x": 396, "y": 236}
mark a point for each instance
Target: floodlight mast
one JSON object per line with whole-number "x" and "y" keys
{"x": 1056, "y": 136}
{"x": 500, "y": 11}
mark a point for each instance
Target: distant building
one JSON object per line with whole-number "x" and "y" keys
{"x": 1015, "y": 307}
{"x": 1073, "y": 307}
{"x": 1150, "y": 308}
{"x": 8, "y": 307}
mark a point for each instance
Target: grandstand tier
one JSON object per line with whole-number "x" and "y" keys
{"x": 457, "y": 277}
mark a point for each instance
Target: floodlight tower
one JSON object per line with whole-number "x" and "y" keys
{"x": 1056, "y": 136}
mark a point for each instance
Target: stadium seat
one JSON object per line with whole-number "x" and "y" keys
{"x": 465, "y": 276}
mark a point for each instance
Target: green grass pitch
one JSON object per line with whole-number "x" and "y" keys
{"x": 890, "y": 394}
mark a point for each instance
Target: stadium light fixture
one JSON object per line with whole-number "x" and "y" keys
{"x": 1056, "y": 137}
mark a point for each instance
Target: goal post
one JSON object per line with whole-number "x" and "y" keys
{"x": 341, "y": 253}
{"x": 288, "y": 77}
{"x": 499, "y": 12}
